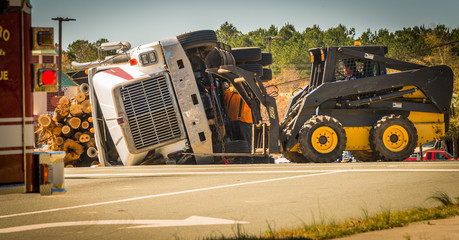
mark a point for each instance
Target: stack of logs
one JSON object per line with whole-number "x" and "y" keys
{"x": 70, "y": 130}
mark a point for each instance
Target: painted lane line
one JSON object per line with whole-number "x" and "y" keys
{"x": 190, "y": 173}
{"x": 165, "y": 194}
{"x": 249, "y": 172}
{"x": 145, "y": 223}
{"x": 401, "y": 170}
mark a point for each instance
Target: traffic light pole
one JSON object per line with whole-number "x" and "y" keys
{"x": 59, "y": 65}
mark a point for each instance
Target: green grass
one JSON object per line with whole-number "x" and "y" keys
{"x": 386, "y": 219}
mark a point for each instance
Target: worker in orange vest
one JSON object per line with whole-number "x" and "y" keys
{"x": 240, "y": 116}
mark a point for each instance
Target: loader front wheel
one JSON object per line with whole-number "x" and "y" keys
{"x": 295, "y": 157}
{"x": 322, "y": 139}
{"x": 393, "y": 138}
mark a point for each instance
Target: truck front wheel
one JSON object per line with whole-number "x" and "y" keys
{"x": 322, "y": 139}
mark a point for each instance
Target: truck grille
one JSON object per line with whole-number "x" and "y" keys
{"x": 150, "y": 112}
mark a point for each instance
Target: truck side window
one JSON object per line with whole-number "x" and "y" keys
{"x": 439, "y": 156}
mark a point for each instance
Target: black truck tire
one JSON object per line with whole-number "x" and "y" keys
{"x": 266, "y": 59}
{"x": 322, "y": 139}
{"x": 365, "y": 155}
{"x": 255, "y": 68}
{"x": 196, "y": 39}
{"x": 393, "y": 138}
{"x": 246, "y": 54}
{"x": 267, "y": 75}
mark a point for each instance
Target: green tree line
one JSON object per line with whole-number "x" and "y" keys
{"x": 290, "y": 50}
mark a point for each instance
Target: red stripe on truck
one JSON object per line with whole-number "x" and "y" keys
{"x": 119, "y": 73}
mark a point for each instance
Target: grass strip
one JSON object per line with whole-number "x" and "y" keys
{"x": 385, "y": 220}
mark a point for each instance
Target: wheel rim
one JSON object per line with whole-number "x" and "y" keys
{"x": 324, "y": 140}
{"x": 395, "y": 138}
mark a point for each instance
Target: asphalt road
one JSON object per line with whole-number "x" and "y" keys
{"x": 194, "y": 202}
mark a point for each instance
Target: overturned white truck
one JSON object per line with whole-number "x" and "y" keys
{"x": 165, "y": 101}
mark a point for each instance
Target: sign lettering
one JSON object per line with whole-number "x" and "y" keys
{"x": 3, "y": 75}
{"x": 4, "y": 34}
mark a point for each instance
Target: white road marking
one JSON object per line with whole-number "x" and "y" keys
{"x": 165, "y": 194}
{"x": 151, "y": 174}
{"x": 146, "y": 223}
{"x": 81, "y": 175}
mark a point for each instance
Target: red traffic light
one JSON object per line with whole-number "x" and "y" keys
{"x": 47, "y": 76}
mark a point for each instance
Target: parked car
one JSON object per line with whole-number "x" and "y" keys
{"x": 432, "y": 156}
{"x": 346, "y": 157}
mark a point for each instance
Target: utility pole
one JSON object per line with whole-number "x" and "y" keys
{"x": 269, "y": 41}
{"x": 59, "y": 79}
{"x": 270, "y": 38}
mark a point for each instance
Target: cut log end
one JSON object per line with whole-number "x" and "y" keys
{"x": 85, "y": 125}
{"x": 74, "y": 122}
{"x": 80, "y": 97}
{"x": 91, "y": 152}
{"x": 84, "y": 138}
{"x": 45, "y": 120}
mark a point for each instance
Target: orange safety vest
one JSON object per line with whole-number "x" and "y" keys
{"x": 238, "y": 110}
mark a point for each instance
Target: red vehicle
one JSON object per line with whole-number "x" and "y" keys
{"x": 432, "y": 156}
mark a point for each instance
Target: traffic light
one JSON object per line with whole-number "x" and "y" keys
{"x": 45, "y": 77}
{"x": 42, "y": 38}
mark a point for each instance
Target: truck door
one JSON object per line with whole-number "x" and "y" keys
{"x": 429, "y": 156}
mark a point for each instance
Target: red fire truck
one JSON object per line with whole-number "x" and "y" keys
{"x": 18, "y": 79}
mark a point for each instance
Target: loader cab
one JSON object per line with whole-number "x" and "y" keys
{"x": 328, "y": 63}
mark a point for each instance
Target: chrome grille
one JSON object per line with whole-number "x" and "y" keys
{"x": 150, "y": 112}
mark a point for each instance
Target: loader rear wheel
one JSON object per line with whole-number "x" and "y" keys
{"x": 393, "y": 138}
{"x": 365, "y": 156}
{"x": 322, "y": 139}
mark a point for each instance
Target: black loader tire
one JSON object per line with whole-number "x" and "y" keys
{"x": 196, "y": 39}
{"x": 246, "y": 54}
{"x": 322, "y": 139}
{"x": 393, "y": 138}
{"x": 365, "y": 155}
{"x": 295, "y": 157}
{"x": 267, "y": 75}
{"x": 255, "y": 68}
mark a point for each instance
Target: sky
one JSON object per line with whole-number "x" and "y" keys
{"x": 144, "y": 21}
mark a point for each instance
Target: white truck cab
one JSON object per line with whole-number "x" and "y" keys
{"x": 167, "y": 100}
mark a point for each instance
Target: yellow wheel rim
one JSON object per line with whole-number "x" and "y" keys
{"x": 324, "y": 140}
{"x": 395, "y": 138}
